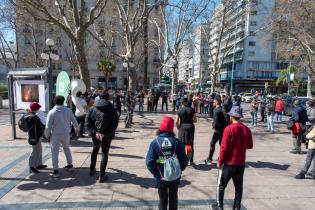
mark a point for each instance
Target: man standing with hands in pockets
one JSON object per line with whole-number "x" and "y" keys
{"x": 237, "y": 138}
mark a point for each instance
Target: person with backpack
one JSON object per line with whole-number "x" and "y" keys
{"x": 35, "y": 132}
{"x": 166, "y": 159}
{"x": 59, "y": 120}
{"x": 102, "y": 122}
{"x": 237, "y": 138}
{"x": 300, "y": 118}
{"x": 218, "y": 125}
{"x": 185, "y": 119}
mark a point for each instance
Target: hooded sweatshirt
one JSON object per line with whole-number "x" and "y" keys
{"x": 59, "y": 120}
{"x": 102, "y": 118}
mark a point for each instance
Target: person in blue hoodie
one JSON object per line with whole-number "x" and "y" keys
{"x": 164, "y": 146}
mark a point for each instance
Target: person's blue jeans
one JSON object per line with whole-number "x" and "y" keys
{"x": 254, "y": 118}
{"x": 279, "y": 116}
{"x": 270, "y": 126}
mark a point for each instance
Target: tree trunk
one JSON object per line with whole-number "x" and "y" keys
{"x": 80, "y": 55}
{"x": 214, "y": 82}
{"x": 173, "y": 81}
{"x": 309, "y": 85}
{"x": 132, "y": 79}
{"x": 146, "y": 56}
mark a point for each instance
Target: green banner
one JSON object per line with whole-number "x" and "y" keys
{"x": 63, "y": 85}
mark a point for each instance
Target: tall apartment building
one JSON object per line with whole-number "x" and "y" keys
{"x": 31, "y": 36}
{"x": 185, "y": 63}
{"x": 254, "y": 55}
{"x": 200, "y": 55}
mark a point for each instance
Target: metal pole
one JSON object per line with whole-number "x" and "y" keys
{"x": 50, "y": 82}
{"x": 127, "y": 86}
{"x": 233, "y": 64}
{"x": 12, "y": 110}
{"x": 289, "y": 80}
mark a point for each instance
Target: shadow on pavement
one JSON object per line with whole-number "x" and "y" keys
{"x": 120, "y": 138}
{"x": 126, "y": 156}
{"x": 260, "y": 164}
{"x": 203, "y": 167}
{"x": 68, "y": 178}
{"x": 123, "y": 177}
{"x": 79, "y": 143}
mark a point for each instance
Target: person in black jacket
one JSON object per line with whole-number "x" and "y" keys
{"x": 211, "y": 107}
{"x": 218, "y": 125}
{"x": 117, "y": 103}
{"x": 102, "y": 122}
{"x": 36, "y": 131}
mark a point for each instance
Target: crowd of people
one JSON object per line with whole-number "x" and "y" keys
{"x": 97, "y": 113}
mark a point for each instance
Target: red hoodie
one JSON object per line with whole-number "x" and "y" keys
{"x": 236, "y": 139}
{"x": 279, "y": 106}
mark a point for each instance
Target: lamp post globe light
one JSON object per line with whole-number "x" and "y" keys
{"x": 49, "y": 56}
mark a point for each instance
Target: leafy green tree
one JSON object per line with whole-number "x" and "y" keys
{"x": 284, "y": 77}
{"x": 106, "y": 67}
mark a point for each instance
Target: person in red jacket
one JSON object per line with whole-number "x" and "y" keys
{"x": 237, "y": 138}
{"x": 279, "y": 109}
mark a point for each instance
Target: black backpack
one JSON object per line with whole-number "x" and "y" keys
{"x": 23, "y": 125}
{"x": 290, "y": 123}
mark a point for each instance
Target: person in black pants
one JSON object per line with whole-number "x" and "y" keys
{"x": 237, "y": 138}
{"x": 164, "y": 101}
{"x": 218, "y": 125}
{"x": 156, "y": 99}
{"x": 102, "y": 122}
{"x": 165, "y": 146}
{"x": 211, "y": 106}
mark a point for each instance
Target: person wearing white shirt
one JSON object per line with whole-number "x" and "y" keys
{"x": 80, "y": 112}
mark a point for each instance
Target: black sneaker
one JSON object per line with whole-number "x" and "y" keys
{"x": 55, "y": 174}
{"x": 216, "y": 207}
{"x": 300, "y": 176}
{"x": 34, "y": 170}
{"x": 69, "y": 166}
{"x": 103, "y": 178}
{"x": 92, "y": 172}
{"x": 41, "y": 167}
{"x": 294, "y": 151}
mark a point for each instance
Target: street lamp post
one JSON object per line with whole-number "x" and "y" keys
{"x": 49, "y": 56}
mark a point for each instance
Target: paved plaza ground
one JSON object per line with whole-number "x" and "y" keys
{"x": 269, "y": 181}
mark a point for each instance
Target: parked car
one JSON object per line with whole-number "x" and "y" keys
{"x": 247, "y": 97}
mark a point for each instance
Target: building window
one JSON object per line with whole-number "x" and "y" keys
{"x": 252, "y": 33}
{"x": 252, "y": 44}
{"x": 251, "y": 53}
{"x": 253, "y": 23}
{"x": 253, "y": 13}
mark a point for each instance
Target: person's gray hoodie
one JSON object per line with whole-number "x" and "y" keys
{"x": 59, "y": 120}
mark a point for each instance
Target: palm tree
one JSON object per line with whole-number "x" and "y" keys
{"x": 284, "y": 77}
{"x": 106, "y": 67}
